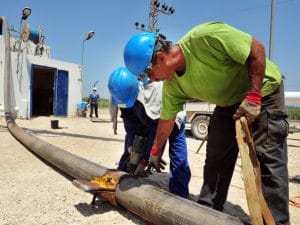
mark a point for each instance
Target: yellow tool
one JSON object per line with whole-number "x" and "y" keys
{"x": 257, "y": 205}
{"x": 103, "y": 187}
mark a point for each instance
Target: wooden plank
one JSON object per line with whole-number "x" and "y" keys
{"x": 249, "y": 177}
{"x": 267, "y": 215}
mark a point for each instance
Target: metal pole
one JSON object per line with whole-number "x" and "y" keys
{"x": 7, "y": 68}
{"x": 272, "y": 29}
{"x": 153, "y": 14}
{"x": 82, "y": 52}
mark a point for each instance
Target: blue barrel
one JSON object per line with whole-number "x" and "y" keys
{"x": 34, "y": 35}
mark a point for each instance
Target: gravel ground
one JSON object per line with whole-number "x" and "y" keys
{"x": 32, "y": 192}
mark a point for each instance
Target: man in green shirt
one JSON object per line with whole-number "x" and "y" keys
{"x": 220, "y": 64}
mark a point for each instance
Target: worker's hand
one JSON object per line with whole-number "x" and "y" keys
{"x": 140, "y": 169}
{"x": 155, "y": 160}
{"x": 250, "y": 107}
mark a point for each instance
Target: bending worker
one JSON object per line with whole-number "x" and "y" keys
{"x": 217, "y": 63}
{"x": 140, "y": 109}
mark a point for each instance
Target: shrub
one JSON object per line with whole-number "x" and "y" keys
{"x": 294, "y": 113}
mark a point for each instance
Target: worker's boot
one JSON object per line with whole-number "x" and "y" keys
{"x": 136, "y": 152}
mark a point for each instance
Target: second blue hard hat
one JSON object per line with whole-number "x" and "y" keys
{"x": 123, "y": 87}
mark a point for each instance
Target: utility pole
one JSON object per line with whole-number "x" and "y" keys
{"x": 271, "y": 29}
{"x": 155, "y": 9}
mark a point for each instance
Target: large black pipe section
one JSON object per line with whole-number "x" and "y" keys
{"x": 162, "y": 207}
{"x": 69, "y": 163}
{"x": 151, "y": 203}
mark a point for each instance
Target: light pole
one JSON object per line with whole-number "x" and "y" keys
{"x": 25, "y": 14}
{"x": 88, "y": 37}
{"x": 95, "y": 83}
{"x": 272, "y": 29}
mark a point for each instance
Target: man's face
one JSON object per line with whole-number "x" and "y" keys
{"x": 160, "y": 71}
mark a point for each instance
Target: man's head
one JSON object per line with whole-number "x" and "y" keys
{"x": 94, "y": 89}
{"x": 146, "y": 54}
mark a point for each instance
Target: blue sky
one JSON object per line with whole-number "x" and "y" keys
{"x": 65, "y": 24}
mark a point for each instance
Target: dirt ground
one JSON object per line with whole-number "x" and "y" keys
{"x": 32, "y": 192}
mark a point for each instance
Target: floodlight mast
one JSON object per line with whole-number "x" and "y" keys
{"x": 155, "y": 9}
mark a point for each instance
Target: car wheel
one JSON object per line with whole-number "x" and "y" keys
{"x": 199, "y": 127}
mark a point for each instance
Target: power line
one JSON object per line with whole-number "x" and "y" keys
{"x": 155, "y": 9}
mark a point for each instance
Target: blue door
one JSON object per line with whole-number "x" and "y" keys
{"x": 61, "y": 93}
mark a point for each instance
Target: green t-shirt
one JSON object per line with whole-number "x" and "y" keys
{"x": 216, "y": 69}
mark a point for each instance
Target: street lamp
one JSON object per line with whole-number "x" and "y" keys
{"x": 25, "y": 13}
{"x": 95, "y": 83}
{"x": 88, "y": 37}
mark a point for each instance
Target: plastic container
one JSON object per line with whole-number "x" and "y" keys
{"x": 82, "y": 106}
{"x": 34, "y": 35}
{"x": 54, "y": 124}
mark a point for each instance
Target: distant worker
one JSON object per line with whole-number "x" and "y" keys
{"x": 140, "y": 106}
{"x": 220, "y": 64}
{"x": 93, "y": 100}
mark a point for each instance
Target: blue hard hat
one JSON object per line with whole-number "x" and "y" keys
{"x": 138, "y": 52}
{"x": 123, "y": 87}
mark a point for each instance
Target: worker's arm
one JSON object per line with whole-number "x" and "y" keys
{"x": 251, "y": 105}
{"x": 256, "y": 66}
{"x": 163, "y": 132}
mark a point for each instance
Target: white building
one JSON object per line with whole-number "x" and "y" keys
{"x": 39, "y": 85}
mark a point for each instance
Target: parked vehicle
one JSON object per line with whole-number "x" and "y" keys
{"x": 198, "y": 117}
{"x": 199, "y": 114}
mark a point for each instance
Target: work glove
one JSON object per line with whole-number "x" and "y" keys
{"x": 140, "y": 169}
{"x": 155, "y": 160}
{"x": 136, "y": 152}
{"x": 250, "y": 107}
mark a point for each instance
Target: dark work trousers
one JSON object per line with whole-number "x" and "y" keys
{"x": 270, "y": 130}
{"x": 136, "y": 122}
{"x": 94, "y": 107}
